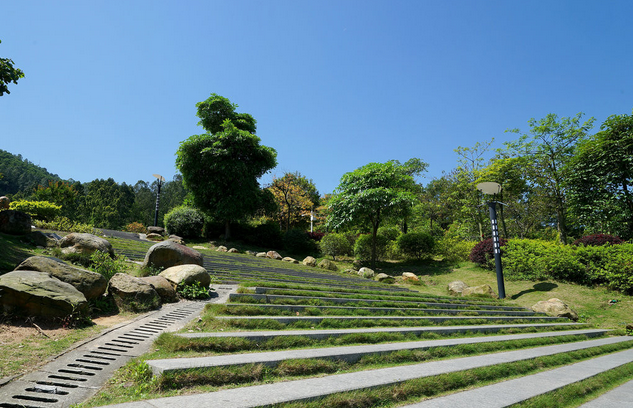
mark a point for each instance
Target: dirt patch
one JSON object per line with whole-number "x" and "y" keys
{"x": 108, "y": 321}
{"x": 17, "y": 332}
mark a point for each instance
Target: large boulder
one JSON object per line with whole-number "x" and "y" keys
{"x": 384, "y": 278}
{"x": 168, "y": 253}
{"x": 481, "y": 290}
{"x": 163, "y": 287}
{"x": 155, "y": 230}
{"x": 366, "y": 273}
{"x": 44, "y": 239}
{"x": 91, "y": 284}
{"x": 4, "y": 203}
{"x": 327, "y": 264}
{"x": 14, "y": 222}
{"x": 33, "y": 293}
{"x": 410, "y": 276}
{"x": 274, "y": 255}
{"x": 456, "y": 288}
{"x": 555, "y": 307}
{"x": 133, "y": 294}
{"x": 84, "y": 244}
{"x": 309, "y": 261}
{"x": 187, "y": 275}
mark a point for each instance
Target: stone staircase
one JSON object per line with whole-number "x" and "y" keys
{"x": 353, "y": 319}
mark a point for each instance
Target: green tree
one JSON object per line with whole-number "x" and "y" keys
{"x": 8, "y": 74}
{"x": 369, "y": 194}
{"x": 601, "y": 177}
{"x": 61, "y": 193}
{"x": 108, "y": 204}
{"x": 295, "y": 196}
{"x": 221, "y": 167}
{"x": 550, "y": 145}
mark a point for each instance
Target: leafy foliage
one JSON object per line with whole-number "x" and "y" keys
{"x": 66, "y": 225}
{"x": 8, "y": 74}
{"x": 295, "y": 196}
{"x": 221, "y": 167}
{"x": 483, "y": 253}
{"x": 40, "y": 210}
{"x": 297, "y": 241}
{"x": 334, "y": 245}
{"x": 136, "y": 227}
{"x": 184, "y": 221}
{"x": 368, "y": 248}
{"x": 598, "y": 240}
{"x": 193, "y": 291}
{"x": 416, "y": 244}
{"x": 101, "y": 262}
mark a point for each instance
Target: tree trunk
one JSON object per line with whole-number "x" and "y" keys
{"x": 227, "y": 230}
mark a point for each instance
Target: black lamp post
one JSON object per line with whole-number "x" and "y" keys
{"x": 160, "y": 180}
{"x": 491, "y": 188}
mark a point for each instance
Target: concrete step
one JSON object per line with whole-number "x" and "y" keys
{"x": 507, "y": 393}
{"x": 429, "y": 319}
{"x": 396, "y": 303}
{"x": 350, "y": 354}
{"x": 619, "y": 397}
{"x": 312, "y": 388}
{"x": 386, "y": 310}
{"x": 418, "y": 331}
{"x": 408, "y": 296}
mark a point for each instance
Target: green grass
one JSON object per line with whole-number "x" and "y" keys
{"x": 135, "y": 381}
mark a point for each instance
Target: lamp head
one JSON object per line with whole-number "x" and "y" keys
{"x": 159, "y": 177}
{"x": 489, "y": 187}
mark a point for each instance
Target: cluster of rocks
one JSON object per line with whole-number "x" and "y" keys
{"x": 552, "y": 307}
{"x": 50, "y": 287}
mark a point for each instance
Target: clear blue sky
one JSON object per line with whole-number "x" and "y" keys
{"x": 111, "y": 86}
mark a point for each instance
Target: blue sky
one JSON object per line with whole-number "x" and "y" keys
{"x": 111, "y": 86}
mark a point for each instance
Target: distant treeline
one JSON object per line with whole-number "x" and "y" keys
{"x": 101, "y": 203}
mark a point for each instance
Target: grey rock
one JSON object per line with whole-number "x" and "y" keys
{"x": 555, "y": 307}
{"x": 91, "y": 284}
{"x": 133, "y": 294}
{"x": 163, "y": 287}
{"x": 14, "y": 222}
{"x": 85, "y": 244}
{"x": 274, "y": 255}
{"x": 309, "y": 261}
{"x": 187, "y": 275}
{"x": 156, "y": 230}
{"x": 366, "y": 273}
{"x": 327, "y": 264}
{"x": 290, "y": 260}
{"x": 33, "y": 293}
{"x": 168, "y": 253}
{"x": 4, "y": 203}
{"x": 481, "y": 290}
{"x": 456, "y": 288}
{"x": 384, "y": 278}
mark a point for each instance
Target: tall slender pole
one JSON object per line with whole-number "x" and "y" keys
{"x": 157, "y": 200}
{"x": 497, "y": 248}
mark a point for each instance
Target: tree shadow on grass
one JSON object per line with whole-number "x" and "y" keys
{"x": 12, "y": 252}
{"x": 539, "y": 287}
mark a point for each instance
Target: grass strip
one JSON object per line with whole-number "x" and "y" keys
{"x": 583, "y": 391}
{"x": 413, "y": 390}
{"x": 135, "y": 381}
{"x": 219, "y": 376}
{"x": 171, "y": 345}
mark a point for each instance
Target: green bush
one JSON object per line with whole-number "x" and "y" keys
{"x": 298, "y": 241}
{"x": 362, "y": 247}
{"x": 416, "y": 244}
{"x": 335, "y": 245}
{"x": 39, "y": 210}
{"x": 64, "y": 224}
{"x": 267, "y": 235}
{"x": 610, "y": 265}
{"x": 193, "y": 291}
{"x": 522, "y": 259}
{"x": 185, "y": 222}
{"x": 136, "y": 227}
{"x": 452, "y": 247}
{"x": 101, "y": 262}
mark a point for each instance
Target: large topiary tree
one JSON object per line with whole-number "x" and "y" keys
{"x": 221, "y": 167}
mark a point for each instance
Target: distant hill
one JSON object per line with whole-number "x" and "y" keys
{"x": 19, "y": 174}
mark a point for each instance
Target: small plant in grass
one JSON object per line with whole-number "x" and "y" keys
{"x": 192, "y": 291}
{"x": 107, "y": 266}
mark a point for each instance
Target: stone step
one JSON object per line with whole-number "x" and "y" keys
{"x": 411, "y": 296}
{"x": 425, "y": 311}
{"x": 313, "y": 388}
{"x": 350, "y": 354}
{"x": 399, "y": 303}
{"x": 418, "y": 331}
{"x": 430, "y": 319}
{"x": 514, "y": 391}
{"x": 619, "y": 397}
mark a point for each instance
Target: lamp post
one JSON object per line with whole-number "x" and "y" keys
{"x": 161, "y": 179}
{"x": 491, "y": 188}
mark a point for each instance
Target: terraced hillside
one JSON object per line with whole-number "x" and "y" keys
{"x": 297, "y": 336}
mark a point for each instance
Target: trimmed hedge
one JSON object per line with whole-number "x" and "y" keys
{"x": 39, "y": 210}
{"x": 608, "y": 265}
{"x": 416, "y": 244}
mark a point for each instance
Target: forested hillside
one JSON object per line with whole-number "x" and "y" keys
{"x": 19, "y": 174}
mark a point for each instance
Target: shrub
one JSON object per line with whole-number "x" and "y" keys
{"x": 39, "y": 210}
{"x": 598, "y": 240}
{"x": 297, "y": 241}
{"x": 193, "y": 291}
{"x": 415, "y": 244}
{"x": 136, "y": 227}
{"x": 482, "y": 253}
{"x": 335, "y": 245}
{"x": 267, "y": 235}
{"x": 101, "y": 262}
{"x": 184, "y": 221}
{"x": 522, "y": 259}
{"x": 64, "y": 224}
{"x": 362, "y": 247}
{"x": 452, "y": 246}
{"x": 316, "y": 236}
